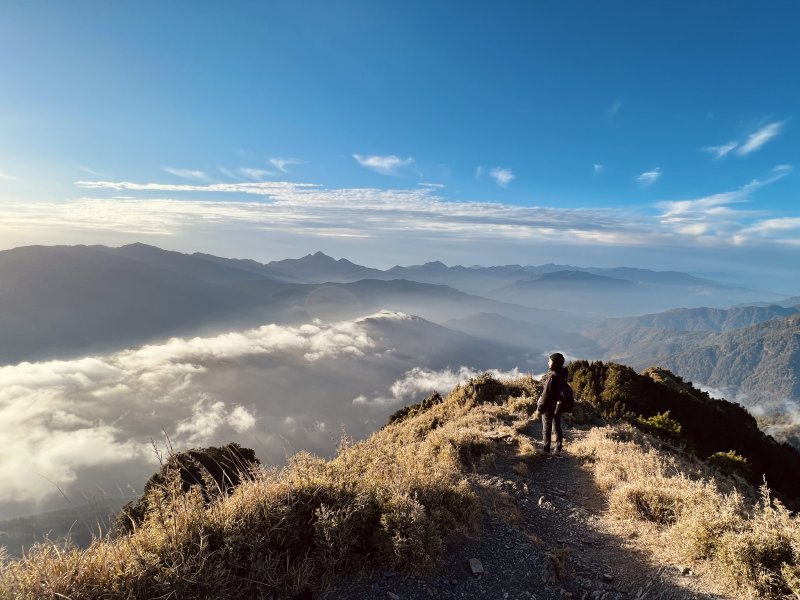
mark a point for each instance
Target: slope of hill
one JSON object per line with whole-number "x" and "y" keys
{"x": 646, "y": 340}
{"x": 715, "y": 320}
{"x": 67, "y": 300}
{"x": 454, "y": 485}
{"x": 761, "y": 362}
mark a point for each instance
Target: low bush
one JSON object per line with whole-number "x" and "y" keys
{"x": 661, "y": 425}
{"x": 732, "y": 463}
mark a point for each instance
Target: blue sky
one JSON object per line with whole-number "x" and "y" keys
{"x": 652, "y": 134}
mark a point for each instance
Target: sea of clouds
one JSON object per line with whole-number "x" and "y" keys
{"x": 90, "y": 427}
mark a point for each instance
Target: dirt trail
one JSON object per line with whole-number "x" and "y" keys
{"x": 541, "y": 537}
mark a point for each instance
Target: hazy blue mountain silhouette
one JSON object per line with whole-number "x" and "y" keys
{"x": 65, "y": 301}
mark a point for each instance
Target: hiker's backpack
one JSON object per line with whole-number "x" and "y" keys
{"x": 567, "y": 402}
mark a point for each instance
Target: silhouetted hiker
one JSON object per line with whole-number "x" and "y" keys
{"x": 549, "y": 404}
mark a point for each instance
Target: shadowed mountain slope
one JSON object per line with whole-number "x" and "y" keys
{"x": 761, "y": 362}
{"x": 646, "y": 340}
{"x": 707, "y": 425}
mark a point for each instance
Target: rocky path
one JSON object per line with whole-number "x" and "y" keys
{"x": 540, "y": 538}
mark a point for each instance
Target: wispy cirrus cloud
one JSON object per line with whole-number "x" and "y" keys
{"x": 755, "y": 141}
{"x": 187, "y": 174}
{"x": 760, "y": 137}
{"x": 716, "y": 216}
{"x": 256, "y": 174}
{"x": 721, "y": 150}
{"x": 4, "y": 175}
{"x": 366, "y": 212}
{"x": 502, "y": 176}
{"x": 386, "y": 165}
{"x": 243, "y": 174}
{"x": 597, "y": 169}
{"x": 282, "y": 164}
{"x": 419, "y": 215}
{"x": 648, "y": 178}
{"x": 93, "y": 172}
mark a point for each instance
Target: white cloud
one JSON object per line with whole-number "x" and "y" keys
{"x": 256, "y": 174}
{"x": 4, "y": 175}
{"x": 649, "y": 177}
{"x": 241, "y": 420}
{"x": 421, "y": 381}
{"x": 502, "y": 176}
{"x": 782, "y": 229}
{"x": 282, "y": 163}
{"x": 760, "y": 137}
{"x": 229, "y": 173}
{"x": 438, "y": 186}
{"x": 60, "y": 420}
{"x": 721, "y": 150}
{"x": 597, "y": 169}
{"x": 187, "y": 174}
{"x": 93, "y": 172}
{"x": 753, "y": 142}
{"x": 302, "y": 209}
{"x": 416, "y": 214}
{"x": 387, "y": 165}
{"x": 714, "y": 216}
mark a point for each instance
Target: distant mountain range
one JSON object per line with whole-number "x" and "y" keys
{"x": 751, "y": 353}
{"x": 760, "y": 364}
{"x": 66, "y": 301}
{"x": 69, "y": 300}
{"x": 592, "y": 290}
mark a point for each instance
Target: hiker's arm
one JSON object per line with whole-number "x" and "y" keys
{"x": 548, "y": 384}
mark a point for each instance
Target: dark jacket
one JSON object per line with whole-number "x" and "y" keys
{"x": 551, "y": 395}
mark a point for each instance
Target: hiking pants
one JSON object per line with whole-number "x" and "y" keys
{"x": 547, "y": 429}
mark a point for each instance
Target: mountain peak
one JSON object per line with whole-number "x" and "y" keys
{"x": 435, "y": 264}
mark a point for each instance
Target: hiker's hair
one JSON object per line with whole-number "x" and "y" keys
{"x": 558, "y": 360}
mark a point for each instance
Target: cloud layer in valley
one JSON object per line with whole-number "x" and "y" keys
{"x": 86, "y": 425}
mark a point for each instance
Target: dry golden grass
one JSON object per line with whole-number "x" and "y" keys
{"x": 679, "y": 508}
{"x": 390, "y": 500}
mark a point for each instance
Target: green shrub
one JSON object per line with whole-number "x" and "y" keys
{"x": 661, "y": 425}
{"x": 732, "y": 463}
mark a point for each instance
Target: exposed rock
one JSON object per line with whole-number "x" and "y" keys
{"x": 214, "y": 469}
{"x": 475, "y": 567}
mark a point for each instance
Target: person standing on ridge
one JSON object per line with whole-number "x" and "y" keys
{"x": 549, "y": 404}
